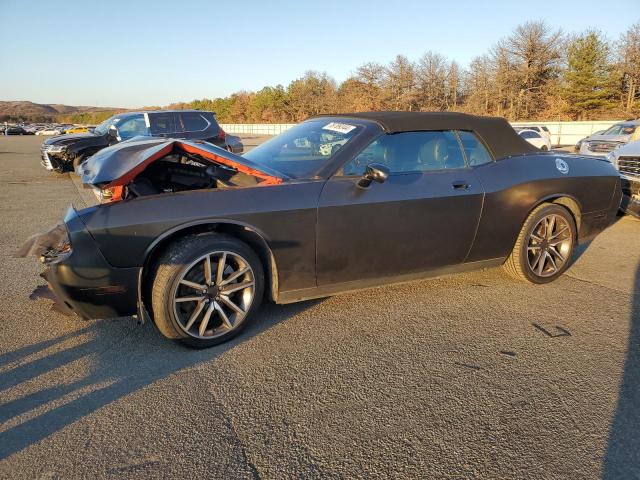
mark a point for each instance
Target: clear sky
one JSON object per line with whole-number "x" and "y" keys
{"x": 135, "y": 53}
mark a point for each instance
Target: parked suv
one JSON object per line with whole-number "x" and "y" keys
{"x": 67, "y": 152}
{"x": 627, "y": 160}
{"x": 612, "y": 138}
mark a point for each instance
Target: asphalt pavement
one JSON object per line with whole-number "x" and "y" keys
{"x": 467, "y": 376}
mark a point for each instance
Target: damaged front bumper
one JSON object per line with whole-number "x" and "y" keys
{"x": 80, "y": 277}
{"x": 631, "y": 197}
{"x": 52, "y": 157}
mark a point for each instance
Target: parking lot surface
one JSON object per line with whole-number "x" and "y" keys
{"x": 467, "y": 376}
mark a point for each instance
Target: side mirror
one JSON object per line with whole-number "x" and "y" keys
{"x": 114, "y": 134}
{"x": 373, "y": 173}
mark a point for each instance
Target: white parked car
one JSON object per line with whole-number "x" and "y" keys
{"x": 536, "y": 139}
{"x": 541, "y": 129}
{"x": 627, "y": 160}
{"x": 50, "y": 131}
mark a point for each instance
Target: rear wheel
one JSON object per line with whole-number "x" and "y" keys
{"x": 544, "y": 246}
{"x": 206, "y": 289}
{"x": 544, "y": 148}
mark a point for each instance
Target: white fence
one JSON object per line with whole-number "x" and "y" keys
{"x": 568, "y": 133}
{"x": 257, "y": 128}
{"x": 562, "y": 133}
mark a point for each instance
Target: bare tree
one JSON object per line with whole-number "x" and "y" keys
{"x": 525, "y": 61}
{"x": 399, "y": 84}
{"x": 629, "y": 53}
{"x": 312, "y": 94}
{"x": 478, "y": 85}
{"x": 371, "y": 77}
{"x": 431, "y": 82}
{"x": 453, "y": 86}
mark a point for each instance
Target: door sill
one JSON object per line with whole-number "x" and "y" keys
{"x": 293, "y": 296}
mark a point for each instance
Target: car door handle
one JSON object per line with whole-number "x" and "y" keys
{"x": 460, "y": 185}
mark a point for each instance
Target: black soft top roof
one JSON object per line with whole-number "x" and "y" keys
{"x": 499, "y": 136}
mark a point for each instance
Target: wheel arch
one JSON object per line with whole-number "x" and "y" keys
{"x": 567, "y": 201}
{"x": 243, "y": 232}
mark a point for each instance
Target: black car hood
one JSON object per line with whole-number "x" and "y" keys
{"x": 73, "y": 138}
{"x": 121, "y": 163}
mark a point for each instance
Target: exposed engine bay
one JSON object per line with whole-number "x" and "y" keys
{"x": 159, "y": 166}
{"x": 178, "y": 173}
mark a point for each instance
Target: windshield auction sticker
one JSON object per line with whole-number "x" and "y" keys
{"x": 339, "y": 127}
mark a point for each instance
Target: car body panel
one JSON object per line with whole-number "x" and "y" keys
{"x": 85, "y": 282}
{"x": 364, "y": 233}
{"x": 288, "y": 227}
{"x": 515, "y": 186}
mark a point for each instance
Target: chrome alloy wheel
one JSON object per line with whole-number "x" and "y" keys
{"x": 549, "y": 245}
{"x": 214, "y": 294}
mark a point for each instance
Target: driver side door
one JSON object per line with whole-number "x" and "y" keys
{"x": 424, "y": 216}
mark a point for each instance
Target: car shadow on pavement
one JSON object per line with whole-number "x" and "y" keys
{"x": 622, "y": 458}
{"x": 124, "y": 358}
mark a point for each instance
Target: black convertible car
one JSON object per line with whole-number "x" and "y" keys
{"x": 193, "y": 236}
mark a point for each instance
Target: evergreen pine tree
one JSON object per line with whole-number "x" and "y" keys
{"x": 587, "y": 80}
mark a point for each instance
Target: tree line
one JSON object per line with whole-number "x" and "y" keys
{"x": 535, "y": 73}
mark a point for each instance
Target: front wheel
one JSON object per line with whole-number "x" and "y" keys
{"x": 544, "y": 148}
{"x": 205, "y": 289}
{"x": 544, "y": 246}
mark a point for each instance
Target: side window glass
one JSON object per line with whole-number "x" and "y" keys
{"x": 161, "y": 123}
{"x": 374, "y": 153}
{"x": 410, "y": 152}
{"x": 192, "y": 122}
{"x": 133, "y": 127}
{"x": 477, "y": 153}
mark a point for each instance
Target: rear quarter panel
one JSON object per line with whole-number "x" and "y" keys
{"x": 514, "y": 186}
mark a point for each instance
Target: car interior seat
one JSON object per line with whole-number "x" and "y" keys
{"x": 432, "y": 155}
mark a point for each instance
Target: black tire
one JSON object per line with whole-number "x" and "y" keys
{"x": 175, "y": 262}
{"x": 518, "y": 265}
{"x": 544, "y": 148}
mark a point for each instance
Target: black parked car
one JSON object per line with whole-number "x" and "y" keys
{"x": 66, "y": 152}
{"x": 192, "y": 236}
{"x": 16, "y": 130}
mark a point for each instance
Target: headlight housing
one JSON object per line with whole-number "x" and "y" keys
{"x": 108, "y": 195}
{"x": 57, "y": 149}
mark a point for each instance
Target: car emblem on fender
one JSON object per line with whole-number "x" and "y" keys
{"x": 562, "y": 166}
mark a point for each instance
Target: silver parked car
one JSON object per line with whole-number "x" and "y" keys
{"x": 627, "y": 160}
{"x": 612, "y": 138}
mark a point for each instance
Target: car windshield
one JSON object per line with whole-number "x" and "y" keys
{"x": 104, "y": 126}
{"x": 302, "y": 151}
{"x": 620, "y": 129}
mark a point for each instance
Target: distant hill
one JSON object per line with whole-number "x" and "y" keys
{"x": 30, "y": 111}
